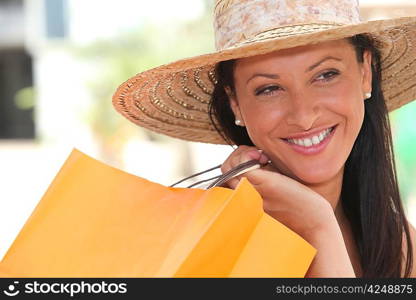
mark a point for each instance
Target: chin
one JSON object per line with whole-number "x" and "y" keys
{"x": 315, "y": 176}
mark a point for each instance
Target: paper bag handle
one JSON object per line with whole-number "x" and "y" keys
{"x": 223, "y": 178}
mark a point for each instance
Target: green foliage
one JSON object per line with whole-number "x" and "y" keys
{"x": 404, "y": 138}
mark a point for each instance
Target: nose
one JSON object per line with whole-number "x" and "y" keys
{"x": 303, "y": 111}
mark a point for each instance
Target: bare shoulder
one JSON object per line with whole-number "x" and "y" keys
{"x": 412, "y": 232}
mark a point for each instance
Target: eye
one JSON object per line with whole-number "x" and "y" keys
{"x": 328, "y": 75}
{"x": 267, "y": 90}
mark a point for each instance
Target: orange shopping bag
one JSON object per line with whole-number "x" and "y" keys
{"x": 98, "y": 221}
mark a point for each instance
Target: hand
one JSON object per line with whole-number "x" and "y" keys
{"x": 285, "y": 199}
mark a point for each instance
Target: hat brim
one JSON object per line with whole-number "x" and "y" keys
{"x": 173, "y": 99}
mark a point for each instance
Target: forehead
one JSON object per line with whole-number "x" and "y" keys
{"x": 303, "y": 55}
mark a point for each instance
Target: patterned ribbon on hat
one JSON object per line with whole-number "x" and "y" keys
{"x": 239, "y": 21}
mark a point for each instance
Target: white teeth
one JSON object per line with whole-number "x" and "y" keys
{"x": 315, "y": 140}
{"x": 307, "y": 142}
{"x": 297, "y": 142}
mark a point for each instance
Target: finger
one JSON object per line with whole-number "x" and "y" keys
{"x": 278, "y": 185}
{"x": 259, "y": 177}
{"x": 257, "y": 155}
{"x": 240, "y": 155}
{"x": 226, "y": 165}
{"x": 236, "y": 158}
{"x": 233, "y": 182}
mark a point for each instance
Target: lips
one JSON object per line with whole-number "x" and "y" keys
{"x": 311, "y": 143}
{"x": 312, "y": 139}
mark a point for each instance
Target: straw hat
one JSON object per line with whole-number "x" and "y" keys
{"x": 173, "y": 99}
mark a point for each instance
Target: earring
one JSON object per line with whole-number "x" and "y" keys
{"x": 238, "y": 122}
{"x": 368, "y": 95}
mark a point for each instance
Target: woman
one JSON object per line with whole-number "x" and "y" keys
{"x": 304, "y": 87}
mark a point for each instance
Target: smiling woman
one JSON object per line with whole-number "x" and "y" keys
{"x": 307, "y": 121}
{"x": 305, "y": 88}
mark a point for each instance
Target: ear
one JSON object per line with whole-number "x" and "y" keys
{"x": 367, "y": 73}
{"x": 234, "y": 104}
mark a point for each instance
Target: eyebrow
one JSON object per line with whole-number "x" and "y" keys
{"x": 272, "y": 76}
{"x": 275, "y": 76}
{"x": 321, "y": 61}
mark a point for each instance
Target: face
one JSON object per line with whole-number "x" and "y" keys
{"x": 304, "y": 106}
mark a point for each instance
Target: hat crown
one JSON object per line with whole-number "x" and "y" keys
{"x": 236, "y": 21}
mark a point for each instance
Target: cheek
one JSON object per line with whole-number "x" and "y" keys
{"x": 262, "y": 119}
{"x": 349, "y": 105}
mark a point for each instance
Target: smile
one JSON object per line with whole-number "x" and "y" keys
{"x": 313, "y": 143}
{"x": 314, "y": 140}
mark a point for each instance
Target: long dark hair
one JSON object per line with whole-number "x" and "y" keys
{"x": 370, "y": 194}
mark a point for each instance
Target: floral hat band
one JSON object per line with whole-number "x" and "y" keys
{"x": 239, "y": 21}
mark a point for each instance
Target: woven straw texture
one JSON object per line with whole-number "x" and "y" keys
{"x": 173, "y": 99}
